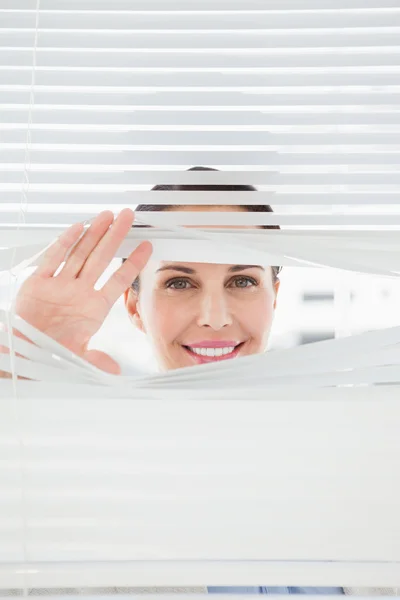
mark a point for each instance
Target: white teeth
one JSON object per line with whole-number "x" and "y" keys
{"x": 213, "y": 351}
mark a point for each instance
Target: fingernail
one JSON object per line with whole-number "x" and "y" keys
{"x": 144, "y": 247}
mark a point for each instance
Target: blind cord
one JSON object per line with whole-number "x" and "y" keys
{"x": 12, "y": 300}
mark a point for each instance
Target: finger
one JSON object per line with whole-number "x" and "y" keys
{"x": 105, "y": 250}
{"x": 123, "y": 278}
{"x": 55, "y": 255}
{"x": 86, "y": 245}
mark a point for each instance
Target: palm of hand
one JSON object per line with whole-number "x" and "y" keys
{"x": 66, "y": 306}
{"x": 70, "y": 314}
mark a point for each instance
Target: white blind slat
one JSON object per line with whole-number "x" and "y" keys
{"x": 233, "y": 158}
{"x": 205, "y": 19}
{"x": 132, "y": 58}
{"x": 278, "y": 188}
{"x": 166, "y": 573}
{"x": 256, "y": 99}
{"x": 201, "y": 5}
{"x": 136, "y": 118}
{"x": 234, "y": 219}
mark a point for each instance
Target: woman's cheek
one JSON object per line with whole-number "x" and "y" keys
{"x": 169, "y": 313}
{"x": 260, "y": 317}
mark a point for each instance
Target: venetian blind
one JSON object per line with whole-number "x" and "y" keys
{"x": 280, "y": 470}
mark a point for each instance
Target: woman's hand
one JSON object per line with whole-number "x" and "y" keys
{"x": 66, "y": 306}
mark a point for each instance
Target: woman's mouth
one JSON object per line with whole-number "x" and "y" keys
{"x": 203, "y": 355}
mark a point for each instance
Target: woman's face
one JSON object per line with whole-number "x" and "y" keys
{"x": 195, "y": 313}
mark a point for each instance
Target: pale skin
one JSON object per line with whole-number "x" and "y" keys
{"x": 176, "y": 308}
{"x": 211, "y": 303}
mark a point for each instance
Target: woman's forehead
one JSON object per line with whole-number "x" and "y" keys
{"x": 195, "y": 267}
{"x": 212, "y": 208}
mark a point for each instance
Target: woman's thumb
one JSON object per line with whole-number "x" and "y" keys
{"x": 102, "y": 361}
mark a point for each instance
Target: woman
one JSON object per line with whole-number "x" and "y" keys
{"x": 192, "y": 312}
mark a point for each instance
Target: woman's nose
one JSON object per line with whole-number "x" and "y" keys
{"x": 214, "y": 311}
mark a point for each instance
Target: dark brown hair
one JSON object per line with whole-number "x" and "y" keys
{"x": 205, "y": 188}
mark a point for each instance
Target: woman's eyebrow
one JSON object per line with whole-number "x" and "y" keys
{"x": 237, "y": 268}
{"x": 180, "y": 268}
{"x": 189, "y": 271}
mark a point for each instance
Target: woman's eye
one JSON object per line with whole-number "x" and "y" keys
{"x": 178, "y": 284}
{"x": 244, "y": 282}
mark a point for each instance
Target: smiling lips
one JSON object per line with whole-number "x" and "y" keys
{"x": 212, "y": 351}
